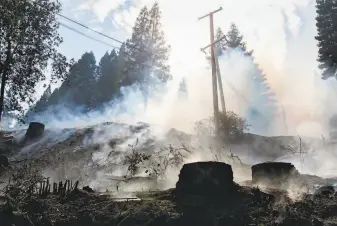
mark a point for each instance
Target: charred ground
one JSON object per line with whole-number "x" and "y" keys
{"x": 249, "y": 206}
{"x": 239, "y": 205}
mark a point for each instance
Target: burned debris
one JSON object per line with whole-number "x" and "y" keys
{"x": 205, "y": 194}
{"x": 327, "y": 191}
{"x": 88, "y": 189}
{"x": 276, "y": 174}
{"x": 211, "y": 180}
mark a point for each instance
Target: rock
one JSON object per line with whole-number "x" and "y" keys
{"x": 274, "y": 173}
{"x": 34, "y": 131}
{"x": 88, "y": 189}
{"x": 206, "y": 179}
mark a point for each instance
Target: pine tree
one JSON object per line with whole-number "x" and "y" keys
{"x": 263, "y": 105}
{"x": 327, "y": 38}
{"x": 158, "y": 47}
{"x": 221, "y": 46}
{"x": 108, "y": 83}
{"x": 234, "y": 39}
{"x": 85, "y": 79}
{"x": 79, "y": 85}
{"x": 135, "y": 50}
{"x": 123, "y": 68}
{"x": 183, "y": 89}
{"x": 147, "y": 51}
{"x": 40, "y": 106}
{"x": 140, "y": 60}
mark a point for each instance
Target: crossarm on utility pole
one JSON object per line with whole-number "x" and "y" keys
{"x": 215, "y": 42}
{"x": 211, "y": 13}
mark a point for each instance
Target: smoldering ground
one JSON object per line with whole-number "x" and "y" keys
{"x": 164, "y": 111}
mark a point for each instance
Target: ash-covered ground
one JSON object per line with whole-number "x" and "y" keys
{"x": 101, "y": 157}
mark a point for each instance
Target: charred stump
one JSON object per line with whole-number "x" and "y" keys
{"x": 4, "y": 161}
{"x": 88, "y": 189}
{"x": 34, "y": 131}
{"x": 210, "y": 180}
{"x": 274, "y": 174}
{"x": 4, "y": 164}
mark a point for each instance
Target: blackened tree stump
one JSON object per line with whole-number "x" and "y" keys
{"x": 206, "y": 179}
{"x": 4, "y": 161}
{"x": 274, "y": 173}
{"x": 34, "y": 131}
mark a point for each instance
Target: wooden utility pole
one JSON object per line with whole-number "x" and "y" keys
{"x": 222, "y": 97}
{"x": 214, "y": 79}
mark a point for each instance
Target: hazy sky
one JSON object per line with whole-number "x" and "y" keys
{"x": 264, "y": 23}
{"x": 269, "y": 27}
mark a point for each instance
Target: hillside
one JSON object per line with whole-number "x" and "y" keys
{"x": 102, "y": 149}
{"x": 96, "y": 155}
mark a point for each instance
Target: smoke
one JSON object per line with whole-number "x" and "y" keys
{"x": 284, "y": 47}
{"x": 167, "y": 110}
{"x": 286, "y": 54}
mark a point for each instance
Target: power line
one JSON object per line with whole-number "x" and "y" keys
{"x": 83, "y": 34}
{"x": 82, "y": 25}
{"x": 100, "y": 33}
{"x": 121, "y": 42}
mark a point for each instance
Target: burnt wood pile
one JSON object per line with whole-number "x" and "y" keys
{"x": 274, "y": 174}
{"x": 211, "y": 180}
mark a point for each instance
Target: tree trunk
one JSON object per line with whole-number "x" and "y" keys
{"x": 2, "y": 93}
{"x": 5, "y": 69}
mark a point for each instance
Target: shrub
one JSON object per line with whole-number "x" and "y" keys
{"x": 154, "y": 165}
{"x": 232, "y": 126}
{"x": 23, "y": 183}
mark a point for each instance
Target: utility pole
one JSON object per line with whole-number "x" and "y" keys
{"x": 214, "y": 79}
{"x": 222, "y": 97}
